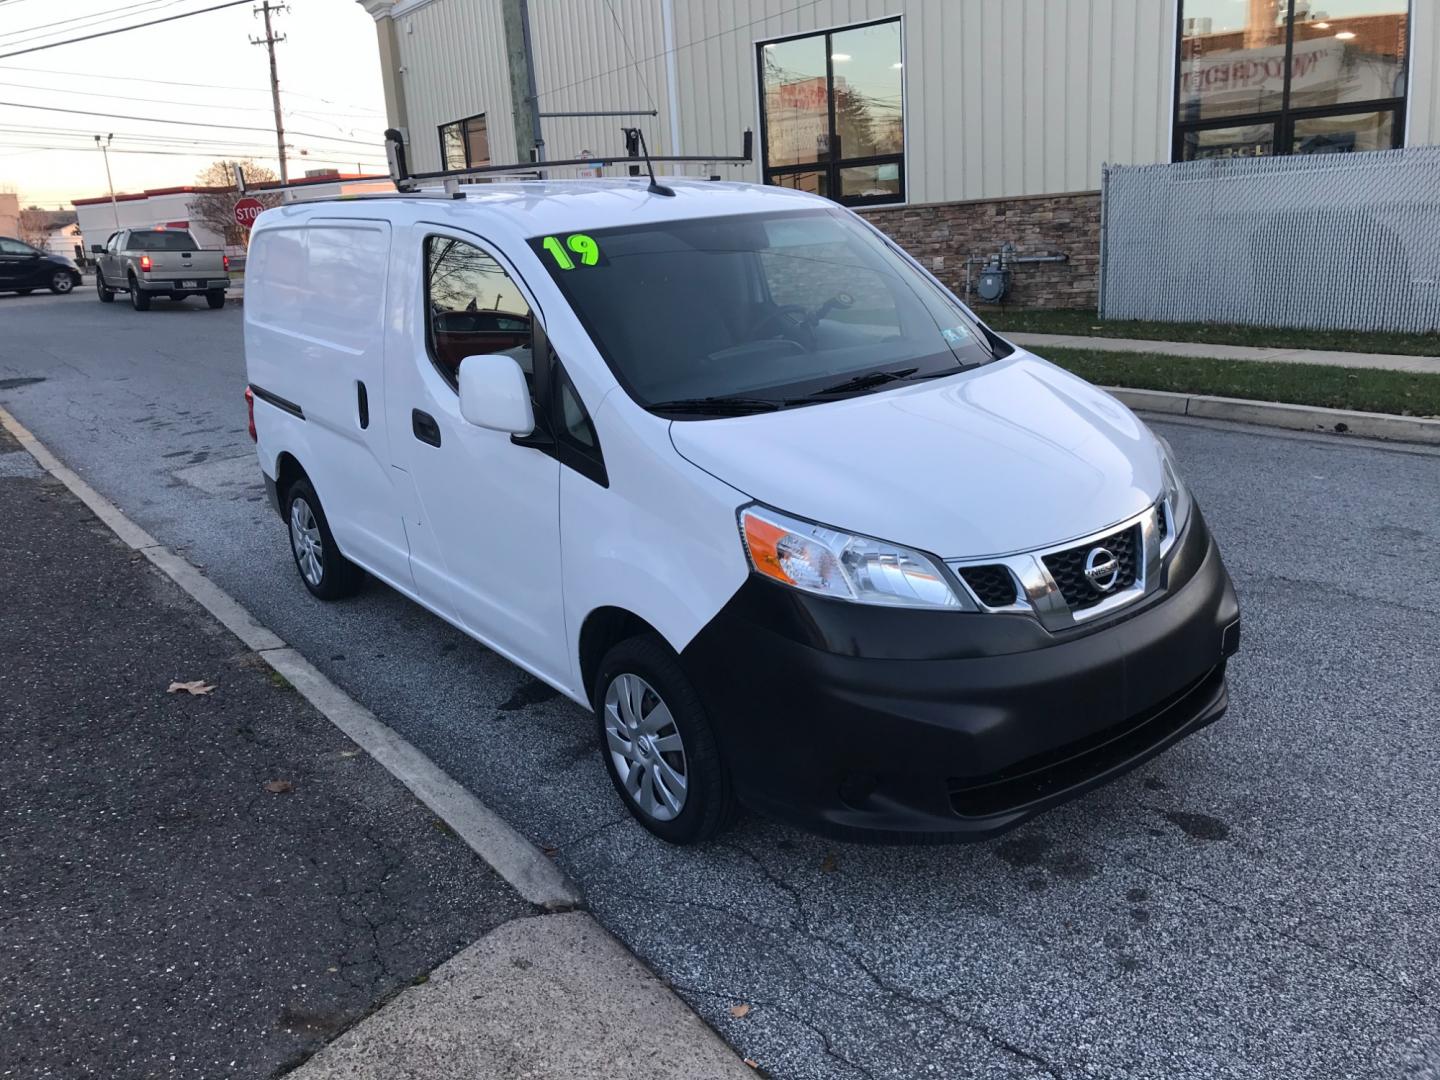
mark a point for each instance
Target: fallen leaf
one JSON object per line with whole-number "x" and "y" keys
{"x": 752, "y": 1063}
{"x": 550, "y": 851}
{"x": 278, "y": 787}
{"x": 739, "y": 1012}
{"x": 828, "y": 865}
{"x": 199, "y": 686}
{"x": 350, "y": 753}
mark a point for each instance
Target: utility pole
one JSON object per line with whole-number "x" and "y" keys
{"x": 104, "y": 148}
{"x": 270, "y": 41}
{"x": 515, "y": 22}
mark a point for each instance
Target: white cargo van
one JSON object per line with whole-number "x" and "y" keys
{"x": 728, "y": 468}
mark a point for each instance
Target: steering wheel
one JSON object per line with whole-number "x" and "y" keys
{"x": 794, "y": 319}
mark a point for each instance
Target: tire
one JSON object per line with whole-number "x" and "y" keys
{"x": 326, "y": 573}
{"x": 139, "y": 300}
{"x": 107, "y": 296}
{"x": 61, "y": 284}
{"x": 215, "y": 298}
{"x": 647, "y": 668}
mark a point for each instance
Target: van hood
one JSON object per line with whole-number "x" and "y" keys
{"x": 1011, "y": 456}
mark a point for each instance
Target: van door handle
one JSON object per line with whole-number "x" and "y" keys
{"x": 425, "y": 427}
{"x": 362, "y": 403}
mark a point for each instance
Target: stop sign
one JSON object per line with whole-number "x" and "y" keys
{"x": 246, "y": 211}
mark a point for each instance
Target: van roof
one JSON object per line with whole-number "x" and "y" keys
{"x": 538, "y": 207}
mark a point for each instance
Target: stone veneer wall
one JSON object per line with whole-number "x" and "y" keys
{"x": 943, "y": 235}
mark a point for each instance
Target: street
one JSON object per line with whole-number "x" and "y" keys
{"x": 1259, "y": 901}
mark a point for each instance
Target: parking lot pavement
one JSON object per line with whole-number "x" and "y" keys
{"x": 1258, "y": 901}
{"x": 191, "y": 885}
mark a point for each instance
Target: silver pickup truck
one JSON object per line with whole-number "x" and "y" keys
{"x": 159, "y": 262}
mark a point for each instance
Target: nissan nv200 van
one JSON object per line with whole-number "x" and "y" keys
{"x": 725, "y": 466}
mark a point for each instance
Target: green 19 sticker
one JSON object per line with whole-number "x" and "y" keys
{"x": 582, "y": 245}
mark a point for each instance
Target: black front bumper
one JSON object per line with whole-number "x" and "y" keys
{"x": 892, "y": 725}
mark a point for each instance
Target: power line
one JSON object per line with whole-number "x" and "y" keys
{"x": 94, "y": 18}
{"x": 185, "y": 123}
{"x": 122, "y": 29}
{"x": 171, "y": 82}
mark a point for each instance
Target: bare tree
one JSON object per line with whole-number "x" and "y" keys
{"x": 35, "y": 225}
{"x": 216, "y": 209}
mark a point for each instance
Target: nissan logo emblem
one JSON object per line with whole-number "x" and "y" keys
{"x": 1102, "y": 569}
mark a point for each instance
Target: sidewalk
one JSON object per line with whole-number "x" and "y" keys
{"x": 1379, "y": 361}
{"x": 216, "y": 884}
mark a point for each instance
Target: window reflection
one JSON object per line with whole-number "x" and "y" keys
{"x": 833, "y": 113}
{"x": 1286, "y": 75}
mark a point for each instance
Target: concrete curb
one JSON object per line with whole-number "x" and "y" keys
{"x": 528, "y": 871}
{"x": 1414, "y": 429}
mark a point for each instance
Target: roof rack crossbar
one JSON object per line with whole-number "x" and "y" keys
{"x": 405, "y": 181}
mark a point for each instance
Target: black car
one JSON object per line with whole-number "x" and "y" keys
{"x": 23, "y": 269}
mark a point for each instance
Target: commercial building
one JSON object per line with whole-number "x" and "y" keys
{"x": 961, "y": 127}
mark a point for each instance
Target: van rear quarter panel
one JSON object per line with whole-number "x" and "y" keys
{"x": 314, "y": 308}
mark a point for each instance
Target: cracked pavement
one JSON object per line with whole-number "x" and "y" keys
{"x": 162, "y": 914}
{"x": 1259, "y": 901}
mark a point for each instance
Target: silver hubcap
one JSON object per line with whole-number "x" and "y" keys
{"x": 305, "y": 539}
{"x": 646, "y": 747}
{"x": 63, "y": 283}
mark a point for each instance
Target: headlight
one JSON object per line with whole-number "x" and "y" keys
{"x": 831, "y": 563}
{"x": 1177, "y": 495}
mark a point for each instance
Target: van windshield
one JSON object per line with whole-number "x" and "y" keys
{"x": 717, "y": 316}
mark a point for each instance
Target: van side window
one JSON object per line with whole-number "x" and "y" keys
{"x": 576, "y": 443}
{"x": 472, "y": 308}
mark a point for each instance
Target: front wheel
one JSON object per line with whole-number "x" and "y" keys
{"x": 62, "y": 283}
{"x": 107, "y": 296}
{"x": 326, "y": 573}
{"x": 658, "y": 745}
{"x": 215, "y": 298}
{"x": 139, "y": 300}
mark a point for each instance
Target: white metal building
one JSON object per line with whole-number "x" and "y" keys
{"x": 990, "y": 118}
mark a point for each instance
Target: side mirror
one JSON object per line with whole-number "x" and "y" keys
{"x": 495, "y": 395}
{"x": 97, "y": 249}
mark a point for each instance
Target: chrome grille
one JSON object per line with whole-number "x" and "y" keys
{"x": 1068, "y": 568}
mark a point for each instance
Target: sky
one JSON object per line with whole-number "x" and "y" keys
{"x": 200, "y": 70}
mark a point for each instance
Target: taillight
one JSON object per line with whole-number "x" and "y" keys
{"x": 250, "y": 408}
{"x": 145, "y": 263}
{"x": 225, "y": 261}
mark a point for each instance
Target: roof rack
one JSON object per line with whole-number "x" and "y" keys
{"x": 406, "y": 181}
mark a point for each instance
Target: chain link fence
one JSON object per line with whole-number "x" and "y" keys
{"x": 1344, "y": 241}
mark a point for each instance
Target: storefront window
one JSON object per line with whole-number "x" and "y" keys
{"x": 832, "y": 113}
{"x": 1285, "y": 76}
{"x": 465, "y": 144}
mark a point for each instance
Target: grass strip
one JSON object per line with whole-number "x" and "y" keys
{"x": 1397, "y": 392}
{"x": 1056, "y": 321}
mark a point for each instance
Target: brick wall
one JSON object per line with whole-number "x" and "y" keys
{"x": 943, "y": 235}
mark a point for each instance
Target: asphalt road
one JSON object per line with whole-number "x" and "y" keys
{"x": 1260, "y": 901}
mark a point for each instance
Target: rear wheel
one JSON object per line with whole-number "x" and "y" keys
{"x": 107, "y": 296}
{"x": 139, "y": 300}
{"x": 62, "y": 283}
{"x": 658, "y": 745}
{"x": 215, "y": 298}
{"x": 326, "y": 573}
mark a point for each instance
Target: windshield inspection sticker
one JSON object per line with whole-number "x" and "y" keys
{"x": 582, "y": 245}
{"x": 955, "y": 335}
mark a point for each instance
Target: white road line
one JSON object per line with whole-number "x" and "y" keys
{"x": 515, "y": 859}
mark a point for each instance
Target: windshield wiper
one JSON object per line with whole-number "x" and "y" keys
{"x": 864, "y": 382}
{"x": 719, "y": 406}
